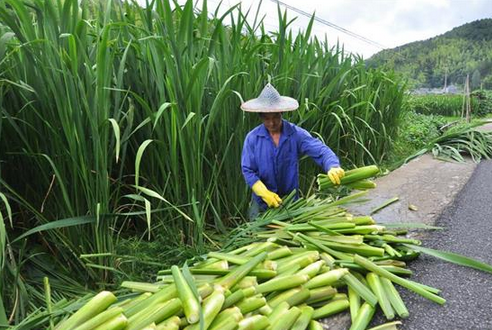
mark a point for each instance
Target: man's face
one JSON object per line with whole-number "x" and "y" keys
{"x": 272, "y": 121}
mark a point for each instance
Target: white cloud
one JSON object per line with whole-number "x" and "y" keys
{"x": 388, "y": 22}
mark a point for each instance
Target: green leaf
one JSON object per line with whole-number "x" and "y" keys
{"x": 117, "y": 134}
{"x": 7, "y": 207}
{"x": 454, "y": 258}
{"x": 69, "y": 222}
{"x": 138, "y": 159}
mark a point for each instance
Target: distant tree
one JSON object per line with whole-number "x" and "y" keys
{"x": 476, "y": 79}
{"x": 464, "y": 49}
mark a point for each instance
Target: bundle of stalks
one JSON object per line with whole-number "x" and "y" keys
{"x": 354, "y": 179}
{"x": 309, "y": 260}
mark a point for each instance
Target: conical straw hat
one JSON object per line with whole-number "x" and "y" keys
{"x": 270, "y": 101}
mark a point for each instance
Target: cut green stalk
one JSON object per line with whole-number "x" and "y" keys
{"x": 352, "y": 176}
{"x": 259, "y": 273}
{"x": 394, "y": 298}
{"x": 362, "y": 230}
{"x": 259, "y": 249}
{"x": 129, "y": 303}
{"x": 312, "y": 269}
{"x": 301, "y": 260}
{"x": 211, "y": 308}
{"x": 362, "y": 249}
{"x": 364, "y": 220}
{"x": 398, "y": 280}
{"x": 385, "y": 204}
{"x": 118, "y": 323}
{"x": 171, "y": 323}
{"x": 278, "y": 311}
{"x": 303, "y": 320}
{"x": 387, "y": 326}
{"x": 95, "y": 306}
{"x": 343, "y": 239}
{"x": 164, "y": 294}
{"x": 282, "y": 283}
{"x": 283, "y": 296}
{"x": 361, "y": 290}
{"x": 265, "y": 310}
{"x": 321, "y": 294}
{"x": 376, "y": 287}
{"x": 142, "y": 286}
{"x": 354, "y": 302}
{"x": 299, "y": 297}
{"x": 250, "y": 304}
{"x": 362, "y": 185}
{"x": 279, "y": 253}
{"x": 322, "y": 247}
{"x": 393, "y": 269}
{"x": 167, "y": 326}
{"x": 221, "y": 265}
{"x": 227, "y": 319}
{"x": 100, "y": 318}
{"x": 156, "y": 313}
{"x": 331, "y": 308}
{"x": 327, "y": 227}
{"x": 235, "y": 259}
{"x": 363, "y": 318}
{"x": 393, "y": 239}
{"x": 287, "y": 320}
{"x": 191, "y": 306}
{"x": 246, "y": 282}
{"x": 329, "y": 260}
{"x": 238, "y": 296}
{"x": 326, "y": 279}
{"x": 255, "y": 322}
{"x": 289, "y": 271}
{"x": 237, "y": 274}
{"x": 315, "y": 325}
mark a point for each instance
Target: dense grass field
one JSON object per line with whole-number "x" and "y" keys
{"x": 122, "y": 122}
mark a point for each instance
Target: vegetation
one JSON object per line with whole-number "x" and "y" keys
{"x": 119, "y": 121}
{"x": 465, "y": 50}
{"x": 414, "y": 133}
{"x": 444, "y": 105}
{"x": 483, "y": 102}
{"x": 297, "y": 261}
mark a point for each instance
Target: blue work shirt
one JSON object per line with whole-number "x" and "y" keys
{"x": 278, "y": 167}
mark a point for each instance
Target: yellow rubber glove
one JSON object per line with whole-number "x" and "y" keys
{"x": 269, "y": 197}
{"x": 336, "y": 174}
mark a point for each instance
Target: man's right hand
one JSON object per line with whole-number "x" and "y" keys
{"x": 269, "y": 197}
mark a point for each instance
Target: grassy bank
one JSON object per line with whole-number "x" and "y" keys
{"x": 120, "y": 122}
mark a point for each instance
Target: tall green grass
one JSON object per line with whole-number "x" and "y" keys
{"x": 443, "y": 105}
{"x": 117, "y": 119}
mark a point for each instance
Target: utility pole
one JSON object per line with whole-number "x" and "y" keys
{"x": 466, "y": 109}
{"x": 446, "y": 81}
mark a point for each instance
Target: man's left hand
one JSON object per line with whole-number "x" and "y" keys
{"x": 336, "y": 174}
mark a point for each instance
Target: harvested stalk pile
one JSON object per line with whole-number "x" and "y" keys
{"x": 306, "y": 261}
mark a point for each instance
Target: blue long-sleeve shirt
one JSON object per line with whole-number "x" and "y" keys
{"x": 278, "y": 167}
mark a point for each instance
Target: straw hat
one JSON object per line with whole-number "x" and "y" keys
{"x": 270, "y": 101}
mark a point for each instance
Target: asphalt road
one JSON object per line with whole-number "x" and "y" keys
{"x": 468, "y": 231}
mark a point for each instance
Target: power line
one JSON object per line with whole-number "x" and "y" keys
{"x": 332, "y": 25}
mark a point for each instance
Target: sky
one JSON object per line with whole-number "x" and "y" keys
{"x": 389, "y": 23}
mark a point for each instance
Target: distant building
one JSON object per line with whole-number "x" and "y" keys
{"x": 451, "y": 89}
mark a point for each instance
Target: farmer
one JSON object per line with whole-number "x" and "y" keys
{"x": 271, "y": 151}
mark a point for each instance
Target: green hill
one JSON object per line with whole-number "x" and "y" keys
{"x": 466, "y": 49}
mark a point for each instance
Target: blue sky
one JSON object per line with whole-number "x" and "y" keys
{"x": 388, "y": 22}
